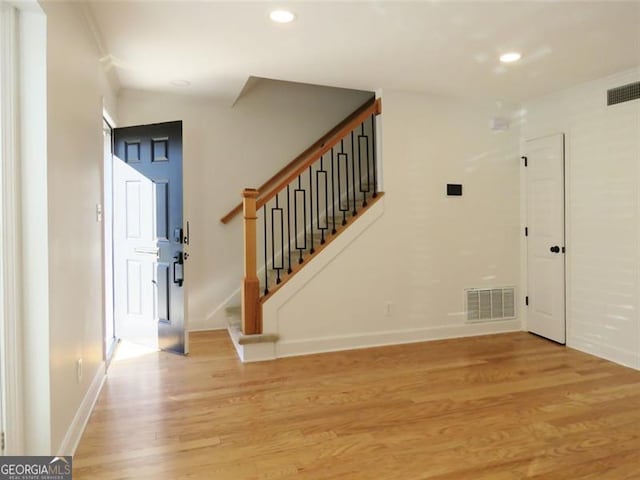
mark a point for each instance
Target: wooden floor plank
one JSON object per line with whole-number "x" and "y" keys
{"x": 499, "y": 407}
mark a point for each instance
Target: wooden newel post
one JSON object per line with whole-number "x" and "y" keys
{"x": 251, "y": 321}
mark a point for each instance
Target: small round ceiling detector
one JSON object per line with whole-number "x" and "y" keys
{"x": 282, "y": 16}
{"x": 510, "y": 57}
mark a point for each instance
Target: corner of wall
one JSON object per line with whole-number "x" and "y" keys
{"x": 601, "y": 157}
{"x": 218, "y": 319}
{"x": 77, "y": 90}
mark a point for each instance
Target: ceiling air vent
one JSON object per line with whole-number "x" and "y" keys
{"x": 625, "y": 93}
{"x": 488, "y": 304}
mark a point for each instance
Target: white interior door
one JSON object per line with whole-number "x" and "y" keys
{"x": 545, "y": 246}
{"x": 135, "y": 253}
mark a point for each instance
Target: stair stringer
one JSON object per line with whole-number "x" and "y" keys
{"x": 271, "y": 307}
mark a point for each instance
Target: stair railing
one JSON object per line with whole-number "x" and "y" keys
{"x": 305, "y": 208}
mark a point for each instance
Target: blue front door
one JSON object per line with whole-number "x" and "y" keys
{"x": 155, "y": 152}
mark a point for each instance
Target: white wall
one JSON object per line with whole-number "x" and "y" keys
{"x": 225, "y": 150}
{"x": 602, "y": 213}
{"x": 425, "y": 248}
{"x": 76, "y": 87}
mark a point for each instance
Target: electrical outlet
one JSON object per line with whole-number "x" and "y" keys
{"x": 388, "y": 308}
{"x": 98, "y": 213}
{"x": 79, "y": 370}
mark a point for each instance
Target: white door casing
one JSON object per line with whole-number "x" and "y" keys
{"x": 546, "y": 237}
{"x": 11, "y": 265}
{"x": 135, "y": 255}
{"x": 107, "y": 216}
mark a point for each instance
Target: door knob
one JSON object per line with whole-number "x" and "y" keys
{"x": 555, "y": 249}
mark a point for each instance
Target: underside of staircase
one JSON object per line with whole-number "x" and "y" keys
{"x": 291, "y": 219}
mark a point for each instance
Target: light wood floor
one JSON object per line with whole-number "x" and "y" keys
{"x": 486, "y": 408}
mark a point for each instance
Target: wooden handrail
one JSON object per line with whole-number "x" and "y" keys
{"x": 320, "y": 143}
{"x": 331, "y": 142}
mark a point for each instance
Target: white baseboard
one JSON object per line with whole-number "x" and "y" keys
{"x": 76, "y": 429}
{"x": 377, "y": 339}
{"x": 617, "y": 355}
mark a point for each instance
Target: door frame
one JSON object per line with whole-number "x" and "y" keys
{"x": 524, "y": 203}
{"x": 107, "y": 247}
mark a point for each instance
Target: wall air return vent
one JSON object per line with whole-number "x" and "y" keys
{"x": 488, "y": 304}
{"x": 625, "y": 93}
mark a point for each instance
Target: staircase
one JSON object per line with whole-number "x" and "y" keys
{"x": 293, "y": 216}
{"x": 313, "y": 243}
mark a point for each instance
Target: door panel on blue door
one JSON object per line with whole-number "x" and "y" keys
{"x": 134, "y": 288}
{"x": 162, "y": 210}
{"x": 133, "y": 255}
{"x": 134, "y": 214}
{"x": 162, "y": 289}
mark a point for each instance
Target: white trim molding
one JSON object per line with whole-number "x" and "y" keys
{"x": 309, "y": 346}
{"x": 76, "y": 429}
{"x": 10, "y": 228}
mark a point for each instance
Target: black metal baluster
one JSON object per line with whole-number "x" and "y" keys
{"x": 344, "y": 156}
{"x": 266, "y": 270}
{"x": 322, "y": 172}
{"x": 375, "y": 163}
{"x": 333, "y": 193}
{"x": 311, "y": 250}
{"x": 281, "y": 243}
{"x": 289, "y": 226}
{"x": 300, "y": 191}
{"x": 326, "y": 204}
{"x": 353, "y": 174}
{"x": 275, "y": 266}
{"x": 366, "y": 145}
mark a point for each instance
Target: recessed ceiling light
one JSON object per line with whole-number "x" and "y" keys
{"x": 510, "y": 57}
{"x": 180, "y": 83}
{"x": 282, "y": 16}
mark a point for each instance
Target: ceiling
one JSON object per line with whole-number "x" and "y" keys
{"x": 442, "y": 47}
